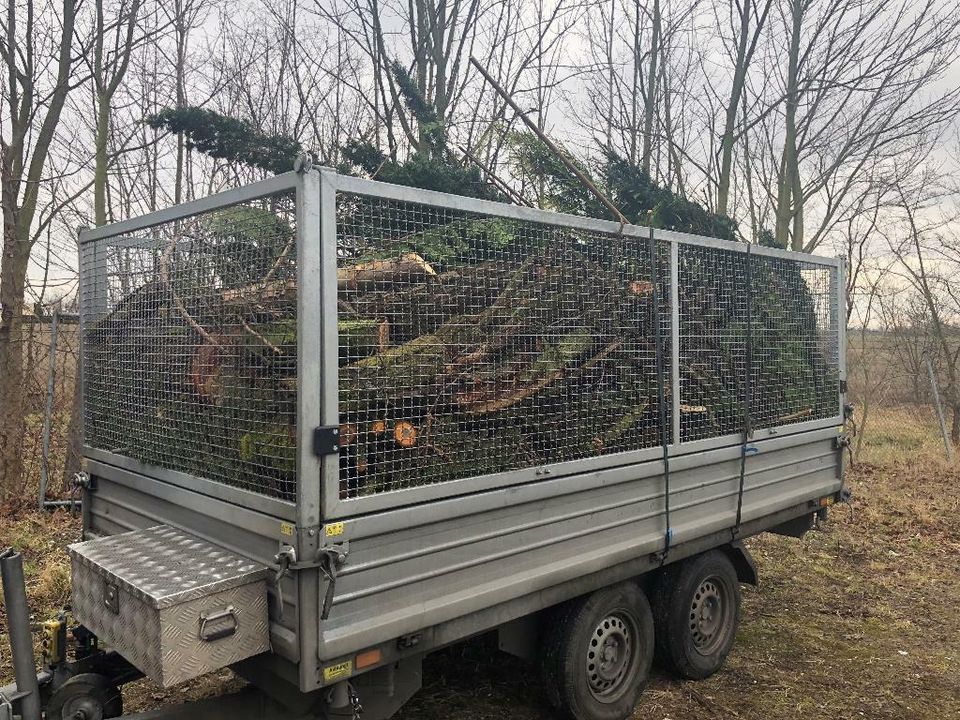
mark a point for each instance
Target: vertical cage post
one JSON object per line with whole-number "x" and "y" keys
{"x": 79, "y": 396}
{"x": 675, "y": 338}
{"x": 329, "y": 344}
{"x": 309, "y": 345}
{"x": 311, "y": 370}
{"x": 747, "y": 393}
{"x": 839, "y": 323}
{"x": 661, "y": 395}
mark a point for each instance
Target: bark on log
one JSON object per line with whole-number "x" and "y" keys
{"x": 408, "y": 268}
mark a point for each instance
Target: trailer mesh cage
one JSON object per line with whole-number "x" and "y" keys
{"x": 473, "y": 345}
{"x": 755, "y": 331}
{"x": 444, "y": 338}
{"x": 189, "y": 345}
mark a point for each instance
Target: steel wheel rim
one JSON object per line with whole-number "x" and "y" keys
{"x": 611, "y": 656}
{"x": 82, "y": 708}
{"x": 709, "y": 616}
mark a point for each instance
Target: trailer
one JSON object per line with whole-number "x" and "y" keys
{"x": 332, "y": 425}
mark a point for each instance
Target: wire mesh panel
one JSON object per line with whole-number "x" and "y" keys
{"x": 190, "y": 345}
{"x": 795, "y": 342}
{"x": 787, "y": 309}
{"x": 713, "y": 341}
{"x": 472, "y": 344}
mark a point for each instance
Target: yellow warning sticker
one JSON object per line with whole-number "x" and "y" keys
{"x": 334, "y": 529}
{"x": 286, "y": 529}
{"x": 335, "y": 672}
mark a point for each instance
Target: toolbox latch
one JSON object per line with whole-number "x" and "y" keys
{"x": 111, "y": 598}
{"x": 326, "y": 440}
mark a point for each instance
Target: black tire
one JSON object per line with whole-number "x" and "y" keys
{"x": 696, "y": 607}
{"x": 597, "y": 653}
{"x": 88, "y": 693}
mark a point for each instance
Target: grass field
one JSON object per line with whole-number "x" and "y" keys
{"x": 860, "y": 619}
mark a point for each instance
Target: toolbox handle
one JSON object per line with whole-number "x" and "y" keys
{"x": 223, "y": 632}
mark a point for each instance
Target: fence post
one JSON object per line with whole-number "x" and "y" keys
{"x": 947, "y": 445}
{"x": 48, "y": 410}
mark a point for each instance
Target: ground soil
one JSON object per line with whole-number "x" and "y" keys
{"x": 859, "y": 619}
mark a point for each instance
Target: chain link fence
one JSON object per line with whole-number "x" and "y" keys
{"x": 50, "y": 437}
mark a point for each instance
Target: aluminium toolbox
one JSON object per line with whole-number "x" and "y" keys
{"x": 173, "y": 605}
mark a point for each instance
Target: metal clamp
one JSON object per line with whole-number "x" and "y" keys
{"x": 226, "y": 631}
{"x": 329, "y": 559}
{"x": 285, "y": 558}
{"x": 332, "y": 557}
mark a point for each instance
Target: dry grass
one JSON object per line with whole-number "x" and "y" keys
{"x": 891, "y": 436}
{"x": 40, "y": 538}
{"x": 860, "y": 619}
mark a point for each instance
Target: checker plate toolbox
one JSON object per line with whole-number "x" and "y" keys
{"x": 173, "y": 605}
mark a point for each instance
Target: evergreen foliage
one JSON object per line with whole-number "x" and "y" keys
{"x": 766, "y": 238}
{"x": 627, "y": 185}
{"x": 441, "y": 173}
{"x": 227, "y": 138}
{"x": 431, "y": 166}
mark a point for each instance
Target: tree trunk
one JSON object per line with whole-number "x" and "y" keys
{"x": 16, "y": 254}
{"x": 733, "y": 107}
{"x": 100, "y": 171}
{"x": 955, "y": 425}
{"x": 182, "y": 30}
{"x": 651, "y": 89}
{"x": 789, "y": 197}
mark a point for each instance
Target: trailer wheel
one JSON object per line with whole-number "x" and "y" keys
{"x": 696, "y": 605}
{"x": 88, "y": 696}
{"x": 597, "y": 653}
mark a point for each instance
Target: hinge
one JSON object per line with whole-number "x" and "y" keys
{"x": 326, "y": 440}
{"x": 843, "y": 386}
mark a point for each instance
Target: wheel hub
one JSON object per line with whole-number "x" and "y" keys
{"x": 707, "y": 615}
{"x": 610, "y": 657}
{"x": 82, "y": 708}
{"x": 85, "y": 697}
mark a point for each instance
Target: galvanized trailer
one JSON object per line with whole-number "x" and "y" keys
{"x": 368, "y": 569}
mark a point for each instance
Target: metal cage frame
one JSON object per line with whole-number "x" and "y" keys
{"x": 332, "y": 183}
{"x": 317, "y": 491}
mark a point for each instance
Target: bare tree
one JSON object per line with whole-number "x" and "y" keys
{"x": 632, "y": 104}
{"x": 439, "y": 36}
{"x": 38, "y": 66}
{"x": 109, "y": 68}
{"x": 749, "y": 23}
{"x": 918, "y": 242}
{"x": 859, "y": 85}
